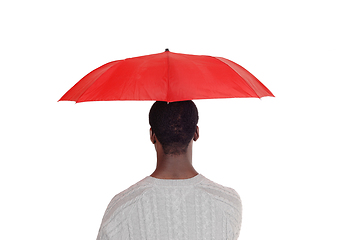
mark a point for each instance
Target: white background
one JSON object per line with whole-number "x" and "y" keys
{"x": 61, "y": 162}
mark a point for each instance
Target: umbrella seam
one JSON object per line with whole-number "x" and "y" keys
{"x": 98, "y": 78}
{"x": 239, "y": 75}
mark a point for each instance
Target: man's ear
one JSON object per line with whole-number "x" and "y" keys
{"x": 196, "y": 134}
{"x": 152, "y": 136}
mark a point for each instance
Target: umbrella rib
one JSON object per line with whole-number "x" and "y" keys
{"x": 240, "y": 76}
{"x": 113, "y": 64}
{"x": 84, "y": 84}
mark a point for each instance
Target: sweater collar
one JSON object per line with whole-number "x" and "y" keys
{"x": 175, "y": 182}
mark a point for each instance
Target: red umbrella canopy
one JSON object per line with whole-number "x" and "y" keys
{"x": 167, "y": 77}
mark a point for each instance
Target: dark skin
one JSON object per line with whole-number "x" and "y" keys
{"x": 174, "y": 166}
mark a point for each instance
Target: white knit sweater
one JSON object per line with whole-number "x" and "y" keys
{"x": 163, "y": 209}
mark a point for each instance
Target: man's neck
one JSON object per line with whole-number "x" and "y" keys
{"x": 174, "y": 166}
{"x": 173, "y": 169}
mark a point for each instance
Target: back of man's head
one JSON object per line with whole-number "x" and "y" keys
{"x": 174, "y": 124}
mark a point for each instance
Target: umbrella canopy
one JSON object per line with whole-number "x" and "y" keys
{"x": 167, "y": 77}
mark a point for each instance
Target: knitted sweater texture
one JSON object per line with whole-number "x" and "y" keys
{"x": 169, "y": 209}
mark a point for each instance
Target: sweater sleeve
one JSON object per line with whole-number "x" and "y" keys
{"x": 102, "y": 235}
{"x": 233, "y": 220}
{"x": 237, "y": 218}
{"x": 231, "y": 205}
{"x": 115, "y": 229}
{"x": 116, "y": 223}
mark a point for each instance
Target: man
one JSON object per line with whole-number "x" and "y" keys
{"x": 174, "y": 202}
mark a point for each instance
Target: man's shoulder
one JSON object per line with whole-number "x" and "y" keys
{"x": 132, "y": 192}
{"x": 128, "y": 197}
{"x": 228, "y": 200}
{"x": 226, "y": 195}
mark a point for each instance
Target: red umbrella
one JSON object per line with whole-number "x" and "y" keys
{"x": 167, "y": 77}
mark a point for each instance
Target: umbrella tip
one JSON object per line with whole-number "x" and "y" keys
{"x": 167, "y": 50}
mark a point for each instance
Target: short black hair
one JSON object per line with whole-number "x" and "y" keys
{"x": 174, "y": 124}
